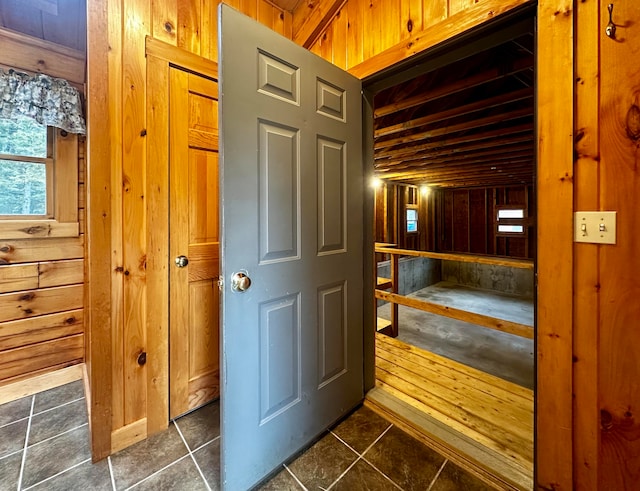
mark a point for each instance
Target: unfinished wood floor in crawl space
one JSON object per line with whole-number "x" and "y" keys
{"x": 469, "y": 387}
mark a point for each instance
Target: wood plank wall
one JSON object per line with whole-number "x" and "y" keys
{"x": 588, "y": 434}
{"x": 42, "y": 300}
{"x": 466, "y": 221}
{"x": 119, "y": 207}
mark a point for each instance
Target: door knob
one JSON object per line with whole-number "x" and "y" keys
{"x": 240, "y": 282}
{"x": 181, "y": 261}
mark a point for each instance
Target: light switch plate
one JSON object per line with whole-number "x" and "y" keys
{"x": 595, "y": 227}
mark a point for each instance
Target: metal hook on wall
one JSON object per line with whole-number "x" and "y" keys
{"x": 610, "y": 30}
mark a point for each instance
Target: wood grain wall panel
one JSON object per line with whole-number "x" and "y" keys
{"x": 339, "y": 28}
{"x": 411, "y": 17}
{"x": 18, "y": 361}
{"x": 58, "y": 273}
{"x": 355, "y": 35}
{"x": 133, "y": 201}
{"x": 18, "y": 277}
{"x": 189, "y": 22}
{"x": 29, "y": 250}
{"x": 555, "y": 83}
{"x": 586, "y": 437}
{"x": 31, "y": 303}
{"x": 619, "y": 334}
{"x": 164, "y": 24}
{"x": 434, "y": 11}
{"x": 24, "y": 332}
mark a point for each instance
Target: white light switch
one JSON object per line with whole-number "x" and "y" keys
{"x": 596, "y": 227}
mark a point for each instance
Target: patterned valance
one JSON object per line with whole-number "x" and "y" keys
{"x": 48, "y": 100}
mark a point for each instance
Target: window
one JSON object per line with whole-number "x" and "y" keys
{"x": 511, "y": 221}
{"x": 412, "y": 220}
{"x": 38, "y": 180}
{"x": 26, "y": 169}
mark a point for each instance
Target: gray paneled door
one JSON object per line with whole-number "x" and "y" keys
{"x": 292, "y": 211}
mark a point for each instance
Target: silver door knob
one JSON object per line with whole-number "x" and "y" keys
{"x": 181, "y": 261}
{"x": 240, "y": 282}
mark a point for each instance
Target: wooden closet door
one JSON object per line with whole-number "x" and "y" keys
{"x": 193, "y": 242}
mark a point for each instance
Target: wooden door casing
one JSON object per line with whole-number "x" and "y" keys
{"x": 194, "y": 233}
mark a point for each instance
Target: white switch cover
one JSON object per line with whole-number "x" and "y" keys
{"x": 596, "y": 227}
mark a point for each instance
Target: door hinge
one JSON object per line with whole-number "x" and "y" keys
{"x": 220, "y": 283}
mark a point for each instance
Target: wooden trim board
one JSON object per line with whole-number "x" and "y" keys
{"x": 465, "y": 258}
{"x": 39, "y": 383}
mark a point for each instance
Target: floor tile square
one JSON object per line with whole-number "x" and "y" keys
{"x": 56, "y": 455}
{"x": 208, "y": 458}
{"x": 417, "y": 466}
{"x": 323, "y": 463}
{"x": 453, "y": 478}
{"x": 12, "y": 437}
{"x": 58, "y": 395}
{"x": 200, "y": 426}
{"x": 58, "y": 420}
{"x": 10, "y": 471}
{"x": 84, "y": 477}
{"x": 138, "y": 461}
{"x": 180, "y": 476}
{"x": 283, "y": 481}
{"x": 15, "y": 410}
{"x": 364, "y": 477}
{"x": 361, "y": 429}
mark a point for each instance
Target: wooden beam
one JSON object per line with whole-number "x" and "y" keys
{"x": 487, "y": 76}
{"x": 311, "y": 17}
{"x": 461, "y": 315}
{"x": 98, "y": 280}
{"x": 467, "y": 125}
{"x": 438, "y": 150}
{"x": 458, "y": 141}
{"x": 39, "y": 56}
{"x": 424, "y": 160}
{"x": 555, "y": 89}
{"x": 481, "y": 105}
{"x": 465, "y": 258}
{"x": 440, "y": 32}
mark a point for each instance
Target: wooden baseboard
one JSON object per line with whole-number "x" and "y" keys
{"x": 39, "y": 383}
{"x": 464, "y": 452}
{"x": 128, "y": 435}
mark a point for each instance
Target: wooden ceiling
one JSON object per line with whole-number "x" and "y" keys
{"x": 58, "y": 21}
{"x": 467, "y": 124}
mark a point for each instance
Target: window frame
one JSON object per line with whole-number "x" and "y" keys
{"x": 523, "y": 222}
{"x": 62, "y": 193}
{"x": 406, "y": 219}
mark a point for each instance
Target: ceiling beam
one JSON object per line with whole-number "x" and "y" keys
{"x": 480, "y": 105}
{"x": 487, "y": 76}
{"x": 527, "y": 129}
{"x": 467, "y": 125}
{"x": 311, "y": 17}
{"x": 403, "y": 154}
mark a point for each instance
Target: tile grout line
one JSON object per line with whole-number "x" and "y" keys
{"x": 360, "y": 456}
{"x": 295, "y": 477}
{"x": 59, "y": 406}
{"x": 205, "y": 444}
{"x": 435, "y": 478}
{"x": 156, "y": 472}
{"x": 59, "y": 434}
{"x": 56, "y": 475}
{"x": 113, "y": 479}
{"x": 206, "y": 483}
{"x": 26, "y": 443}
{"x": 13, "y": 422}
{"x": 11, "y": 454}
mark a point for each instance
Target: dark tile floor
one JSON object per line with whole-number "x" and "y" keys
{"x": 44, "y": 445}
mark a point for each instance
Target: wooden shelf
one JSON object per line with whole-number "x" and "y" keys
{"x": 383, "y": 283}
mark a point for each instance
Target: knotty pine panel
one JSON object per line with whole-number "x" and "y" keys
{"x": 193, "y": 24}
{"x": 618, "y": 369}
{"x": 18, "y": 361}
